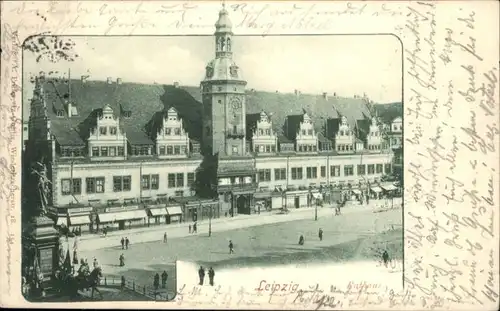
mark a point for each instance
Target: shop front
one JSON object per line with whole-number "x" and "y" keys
{"x": 157, "y": 215}
{"x": 195, "y": 209}
{"x": 389, "y": 189}
{"x": 122, "y": 218}
{"x": 79, "y": 219}
{"x": 263, "y": 201}
{"x": 174, "y": 214}
{"x": 296, "y": 198}
{"x": 59, "y": 215}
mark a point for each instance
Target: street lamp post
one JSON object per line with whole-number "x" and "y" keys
{"x": 210, "y": 222}
{"x": 316, "y": 211}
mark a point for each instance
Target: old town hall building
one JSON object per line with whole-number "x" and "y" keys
{"x": 121, "y": 154}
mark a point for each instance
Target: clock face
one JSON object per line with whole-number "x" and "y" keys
{"x": 236, "y": 103}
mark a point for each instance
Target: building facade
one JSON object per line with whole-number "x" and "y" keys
{"x": 121, "y": 155}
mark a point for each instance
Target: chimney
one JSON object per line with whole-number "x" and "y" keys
{"x": 176, "y": 84}
{"x": 325, "y": 95}
{"x": 109, "y": 80}
{"x": 297, "y": 92}
{"x": 334, "y": 94}
{"x": 119, "y": 81}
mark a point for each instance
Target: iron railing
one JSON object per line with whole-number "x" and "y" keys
{"x": 148, "y": 291}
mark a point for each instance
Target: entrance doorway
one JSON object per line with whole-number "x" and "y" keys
{"x": 242, "y": 205}
{"x": 296, "y": 202}
{"x": 121, "y": 225}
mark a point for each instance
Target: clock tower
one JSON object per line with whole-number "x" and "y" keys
{"x": 223, "y": 96}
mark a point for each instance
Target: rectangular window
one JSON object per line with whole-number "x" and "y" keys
{"x": 177, "y": 150}
{"x": 66, "y": 186}
{"x": 312, "y": 172}
{"x": 104, "y": 151}
{"x": 388, "y": 168}
{"x": 112, "y": 130}
{"x": 348, "y": 170}
{"x": 371, "y": 169}
{"x": 190, "y": 179}
{"x": 170, "y": 150}
{"x": 335, "y": 170}
{"x": 304, "y": 132}
{"x": 95, "y": 184}
{"x": 273, "y": 148}
{"x": 121, "y": 151}
{"x": 145, "y": 150}
{"x": 265, "y": 175}
{"x": 180, "y": 180}
{"x": 177, "y": 131}
{"x": 280, "y": 174}
{"x": 122, "y": 183}
{"x": 183, "y": 150}
{"x": 309, "y": 132}
{"x": 103, "y": 130}
{"x": 146, "y": 182}
{"x": 323, "y": 171}
{"x": 179, "y": 193}
{"x": 171, "y": 180}
{"x": 168, "y": 131}
{"x": 268, "y": 132}
{"x": 162, "y": 150}
{"x": 77, "y": 186}
{"x": 379, "y": 168}
{"x": 112, "y": 151}
{"x": 268, "y": 148}
{"x": 155, "y": 182}
{"x": 95, "y": 151}
{"x": 361, "y": 169}
{"x": 296, "y": 173}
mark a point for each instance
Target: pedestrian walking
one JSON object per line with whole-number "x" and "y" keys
{"x": 211, "y": 274}
{"x": 201, "y": 274}
{"x": 195, "y": 228}
{"x": 123, "y": 243}
{"x": 301, "y": 240}
{"x": 96, "y": 264}
{"x": 320, "y": 234}
{"x": 231, "y": 247}
{"x": 385, "y": 258}
{"x": 127, "y": 242}
{"x": 189, "y": 228}
{"x": 156, "y": 281}
{"x": 122, "y": 260}
{"x": 164, "y": 277}
{"x": 165, "y": 238}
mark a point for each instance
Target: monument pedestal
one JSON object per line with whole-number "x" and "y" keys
{"x": 43, "y": 238}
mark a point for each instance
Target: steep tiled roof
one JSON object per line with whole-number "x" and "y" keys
{"x": 147, "y": 101}
{"x": 388, "y": 112}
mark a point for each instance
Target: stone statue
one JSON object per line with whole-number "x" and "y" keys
{"x": 43, "y": 186}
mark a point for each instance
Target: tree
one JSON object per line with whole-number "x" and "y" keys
{"x": 205, "y": 185}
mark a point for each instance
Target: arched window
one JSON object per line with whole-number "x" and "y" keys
{"x": 228, "y": 44}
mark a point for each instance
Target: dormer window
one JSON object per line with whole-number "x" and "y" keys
{"x": 309, "y": 132}
{"x": 177, "y": 131}
{"x": 127, "y": 114}
{"x": 268, "y": 132}
{"x": 168, "y": 131}
{"x": 112, "y": 130}
{"x": 103, "y": 130}
{"x": 60, "y": 113}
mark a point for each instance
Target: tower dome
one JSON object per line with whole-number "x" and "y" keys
{"x": 223, "y": 24}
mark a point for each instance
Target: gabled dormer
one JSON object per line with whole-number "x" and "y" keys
{"x": 345, "y": 138}
{"x": 374, "y": 139}
{"x": 172, "y": 140}
{"x": 306, "y": 139}
{"x": 264, "y": 139}
{"x": 107, "y": 140}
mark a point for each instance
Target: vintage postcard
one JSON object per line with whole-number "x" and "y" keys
{"x": 250, "y": 155}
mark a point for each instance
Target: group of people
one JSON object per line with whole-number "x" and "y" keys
{"x": 320, "y": 236}
{"x": 194, "y": 228}
{"x": 211, "y": 275}
{"x": 156, "y": 280}
{"x": 125, "y": 243}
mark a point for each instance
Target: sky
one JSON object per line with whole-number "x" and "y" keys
{"x": 344, "y": 64}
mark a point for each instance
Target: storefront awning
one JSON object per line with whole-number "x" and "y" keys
{"x": 79, "y": 220}
{"x": 158, "y": 211}
{"x": 376, "y": 189}
{"x": 389, "y": 187}
{"x": 262, "y": 195}
{"x": 62, "y": 221}
{"x": 174, "y": 210}
{"x": 117, "y": 216}
{"x": 356, "y": 191}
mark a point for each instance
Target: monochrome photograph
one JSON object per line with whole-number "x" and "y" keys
{"x": 224, "y": 151}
